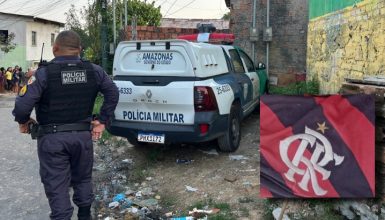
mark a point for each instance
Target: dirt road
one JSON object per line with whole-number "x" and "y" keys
{"x": 230, "y": 181}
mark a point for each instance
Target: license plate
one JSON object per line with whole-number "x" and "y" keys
{"x": 151, "y": 138}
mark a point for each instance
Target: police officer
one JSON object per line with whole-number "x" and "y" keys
{"x": 63, "y": 93}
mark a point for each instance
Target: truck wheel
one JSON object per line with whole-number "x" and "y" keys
{"x": 230, "y": 141}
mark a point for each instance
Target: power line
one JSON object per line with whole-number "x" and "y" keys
{"x": 2, "y": 2}
{"x": 183, "y": 7}
{"x": 201, "y": 9}
{"x": 172, "y": 5}
{"x": 38, "y": 11}
{"x": 163, "y": 2}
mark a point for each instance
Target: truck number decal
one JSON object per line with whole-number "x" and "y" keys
{"x": 125, "y": 90}
{"x": 223, "y": 89}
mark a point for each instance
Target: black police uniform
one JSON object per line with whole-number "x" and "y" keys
{"x": 63, "y": 92}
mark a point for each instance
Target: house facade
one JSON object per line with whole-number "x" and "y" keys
{"x": 30, "y": 33}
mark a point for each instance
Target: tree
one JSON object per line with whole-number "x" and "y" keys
{"x": 6, "y": 42}
{"x": 89, "y": 30}
{"x": 147, "y": 14}
{"x": 226, "y": 16}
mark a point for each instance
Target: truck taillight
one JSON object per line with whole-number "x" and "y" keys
{"x": 204, "y": 99}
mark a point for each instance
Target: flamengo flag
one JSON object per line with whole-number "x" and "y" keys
{"x": 317, "y": 147}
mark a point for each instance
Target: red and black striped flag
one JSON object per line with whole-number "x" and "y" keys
{"x": 317, "y": 147}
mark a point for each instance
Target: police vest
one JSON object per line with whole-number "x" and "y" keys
{"x": 70, "y": 93}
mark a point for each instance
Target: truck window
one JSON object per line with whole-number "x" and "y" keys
{"x": 237, "y": 62}
{"x": 249, "y": 64}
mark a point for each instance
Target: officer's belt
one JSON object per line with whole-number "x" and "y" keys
{"x": 53, "y": 128}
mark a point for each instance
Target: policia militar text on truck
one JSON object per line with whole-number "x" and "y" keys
{"x": 177, "y": 91}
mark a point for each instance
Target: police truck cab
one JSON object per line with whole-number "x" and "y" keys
{"x": 177, "y": 91}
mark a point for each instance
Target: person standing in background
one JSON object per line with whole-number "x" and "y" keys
{"x": 16, "y": 79}
{"x": 22, "y": 78}
{"x": 2, "y": 80}
{"x": 8, "y": 77}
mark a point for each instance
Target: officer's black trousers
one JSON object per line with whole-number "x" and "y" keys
{"x": 66, "y": 160}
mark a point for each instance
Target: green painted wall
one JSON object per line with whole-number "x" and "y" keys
{"x": 15, "y": 57}
{"x": 321, "y": 7}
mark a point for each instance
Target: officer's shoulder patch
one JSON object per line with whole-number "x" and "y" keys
{"x": 31, "y": 80}
{"x": 23, "y": 91}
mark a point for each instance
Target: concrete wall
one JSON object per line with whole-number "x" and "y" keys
{"x": 43, "y": 35}
{"x": 14, "y": 25}
{"x": 288, "y": 19}
{"x": 349, "y": 43}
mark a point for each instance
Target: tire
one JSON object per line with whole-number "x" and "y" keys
{"x": 230, "y": 141}
{"x": 267, "y": 87}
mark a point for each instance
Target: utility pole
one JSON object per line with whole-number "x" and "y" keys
{"x": 114, "y": 18}
{"x": 120, "y": 17}
{"x": 103, "y": 33}
{"x": 125, "y": 14}
{"x": 134, "y": 33}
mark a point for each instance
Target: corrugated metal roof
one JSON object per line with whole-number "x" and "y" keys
{"x": 37, "y": 19}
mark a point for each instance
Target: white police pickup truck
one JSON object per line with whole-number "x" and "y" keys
{"x": 176, "y": 91}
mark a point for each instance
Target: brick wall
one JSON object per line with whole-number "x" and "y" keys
{"x": 160, "y": 33}
{"x": 157, "y": 33}
{"x": 220, "y": 24}
{"x": 288, "y": 19}
{"x": 347, "y": 44}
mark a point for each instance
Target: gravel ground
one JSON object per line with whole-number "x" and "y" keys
{"x": 218, "y": 179}
{"x": 21, "y": 192}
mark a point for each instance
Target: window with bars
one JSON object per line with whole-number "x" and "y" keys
{"x": 33, "y": 38}
{"x": 52, "y": 39}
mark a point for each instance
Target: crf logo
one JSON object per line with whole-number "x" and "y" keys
{"x": 322, "y": 155}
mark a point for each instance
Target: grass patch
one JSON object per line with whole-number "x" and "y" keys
{"x": 105, "y": 136}
{"x": 224, "y": 213}
{"x": 300, "y": 88}
{"x": 139, "y": 174}
{"x": 167, "y": 200}
{"x": 268, "y": 207}
{"x": 155, "y": 154}
{"x": 328, "y": 209}
{"x": 98, "y": 104}
{"x": 198, "y": 205}
{"x": 246, "y": 200}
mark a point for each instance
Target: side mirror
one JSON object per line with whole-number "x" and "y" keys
{"x": 261, "y": 66}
